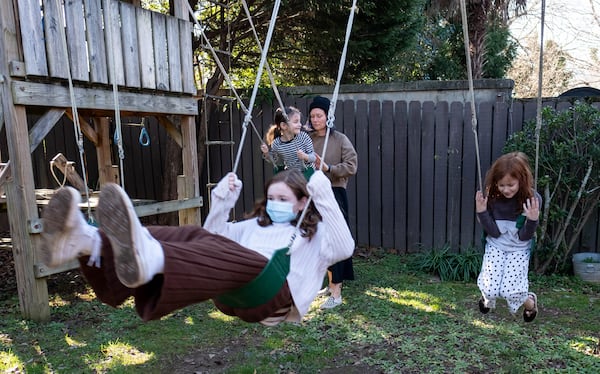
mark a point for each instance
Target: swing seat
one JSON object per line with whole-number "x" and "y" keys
{"x": 308, "y": 172}
{"x": 262, "y": 288}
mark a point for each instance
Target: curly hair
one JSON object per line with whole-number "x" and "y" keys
{"x": 515, "y": 164}
{"x": 297, "y": 183}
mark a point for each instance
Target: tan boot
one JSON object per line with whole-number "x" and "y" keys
{"x": 138, "y": 256}
{"x": 66, "y": 234}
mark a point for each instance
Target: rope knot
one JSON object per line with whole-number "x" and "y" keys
{"x": 247, "y": 119}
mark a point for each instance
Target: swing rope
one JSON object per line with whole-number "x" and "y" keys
{"x": 118, "y": 136}
{"x": 331, "y": 113}
{"x": 463, "y": 9}
{"x": 268, "y": 283}
{"x": 77, "y": 127}
{"x": 263, "y": 59}
{"x": 269, "y": 72}
{"x": 538, "y": 119}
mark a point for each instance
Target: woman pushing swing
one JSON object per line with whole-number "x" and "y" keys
{"x": 166, "y": 268}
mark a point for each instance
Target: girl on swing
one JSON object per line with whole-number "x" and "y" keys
{"x": 166, "y": 268}
{"x": 291, "y": 148}
{"x": 509, "y": 214}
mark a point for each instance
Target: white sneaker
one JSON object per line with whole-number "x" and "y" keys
{"x": 331, "y": 303}
{"x": 324, "y": 292}
{"x": 138, "y": 256}
{"x": 66, "y": 234}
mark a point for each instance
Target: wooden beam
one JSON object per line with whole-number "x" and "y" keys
{"x": 1, "y": 113}
{"x": 4, "y": 175}
{"x": 103, "y": 152}
{"x": 43, "y": 126}
{"x": 189, "y": 186}
{"x": 67, "y": 168}
{"x": 167, "y": 206}
{"x": 21, "y": 206}
{"x": 171, "y": 129}
{"x": 40, "y": 94}
{"x": 86, "y": 128}
{"x": 23, "y": 215}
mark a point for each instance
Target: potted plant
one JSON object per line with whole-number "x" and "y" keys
{"x": 586, "y": 265}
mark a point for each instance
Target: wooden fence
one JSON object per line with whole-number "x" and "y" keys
{"x": 417, "y": 171}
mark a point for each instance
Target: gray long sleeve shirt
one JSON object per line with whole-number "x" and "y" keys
{"x": 500, "y": 225}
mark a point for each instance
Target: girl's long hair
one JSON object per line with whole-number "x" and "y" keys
{"x": 515, "y": 164}
{"x": 297, "y": 183}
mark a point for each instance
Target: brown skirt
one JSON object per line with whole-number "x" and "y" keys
{"x": 198, "y": 266}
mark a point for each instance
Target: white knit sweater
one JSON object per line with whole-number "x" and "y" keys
{"x": 309, "y": 259}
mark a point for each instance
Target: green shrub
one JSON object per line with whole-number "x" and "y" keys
{"x": 450, "y": 265}
{"x": 568, "y": 178}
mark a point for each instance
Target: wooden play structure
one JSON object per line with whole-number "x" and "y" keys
{"x": 110, "y": 57}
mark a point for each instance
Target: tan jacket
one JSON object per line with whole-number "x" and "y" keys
{"x": 340, "y": 156}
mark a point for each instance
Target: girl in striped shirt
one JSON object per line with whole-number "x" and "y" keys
{"x": 290, "y": 147}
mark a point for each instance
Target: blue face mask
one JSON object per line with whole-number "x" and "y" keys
{"x": 280, "y": 211}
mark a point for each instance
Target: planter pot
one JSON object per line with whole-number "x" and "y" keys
{"x": 586, "y": 270}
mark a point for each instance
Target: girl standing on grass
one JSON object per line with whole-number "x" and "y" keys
{"x": 291, "y": 148}
{"x": 509, "y": 215}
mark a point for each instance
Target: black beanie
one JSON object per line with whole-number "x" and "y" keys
{"x": 320, "y": 102}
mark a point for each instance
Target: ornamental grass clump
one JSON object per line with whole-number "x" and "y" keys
{"x": 449, "y": 265}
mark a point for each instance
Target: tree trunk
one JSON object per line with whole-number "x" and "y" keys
{"x": 477, "y": 18}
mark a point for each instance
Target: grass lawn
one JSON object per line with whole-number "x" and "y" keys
{"x": 393, "y": 320}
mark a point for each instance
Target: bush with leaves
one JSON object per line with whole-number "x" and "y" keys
{"x": 568, "y": 179}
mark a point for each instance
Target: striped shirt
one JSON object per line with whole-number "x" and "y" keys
{"x": 285, "y": 154}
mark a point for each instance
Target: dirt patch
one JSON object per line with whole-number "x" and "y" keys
{"x": 8, "y": 282}
{"x": 220, "y": 359}
{"x": 66, "y": 283}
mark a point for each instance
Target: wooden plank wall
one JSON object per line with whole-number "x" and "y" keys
{"x": 142, "y": 49}
{"x": 417, "y": 171}
{"x": 143, "y": 165}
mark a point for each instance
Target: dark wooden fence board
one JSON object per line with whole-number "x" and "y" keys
{"x": 427, "y": 173}
{"x": 375, "y": 173}
{"x": 400, "y": 172}
{"x": 500, "y": 132}
{"x": 362, "y": 177}
{"x": 454, "y": 172}
{"x": 414, "y": 175}
{"x": 440, "y": 183}
{"x": 388, "y": 188}
{"x": 349, "y": 116}
{"x": 469, "y": 182}
{"x": 484, "y": 135}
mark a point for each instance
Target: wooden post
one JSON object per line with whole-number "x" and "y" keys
{"x": 105, "y": 167}
{"x": 190, "y": 186}
{"x": 22, "y": 208}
